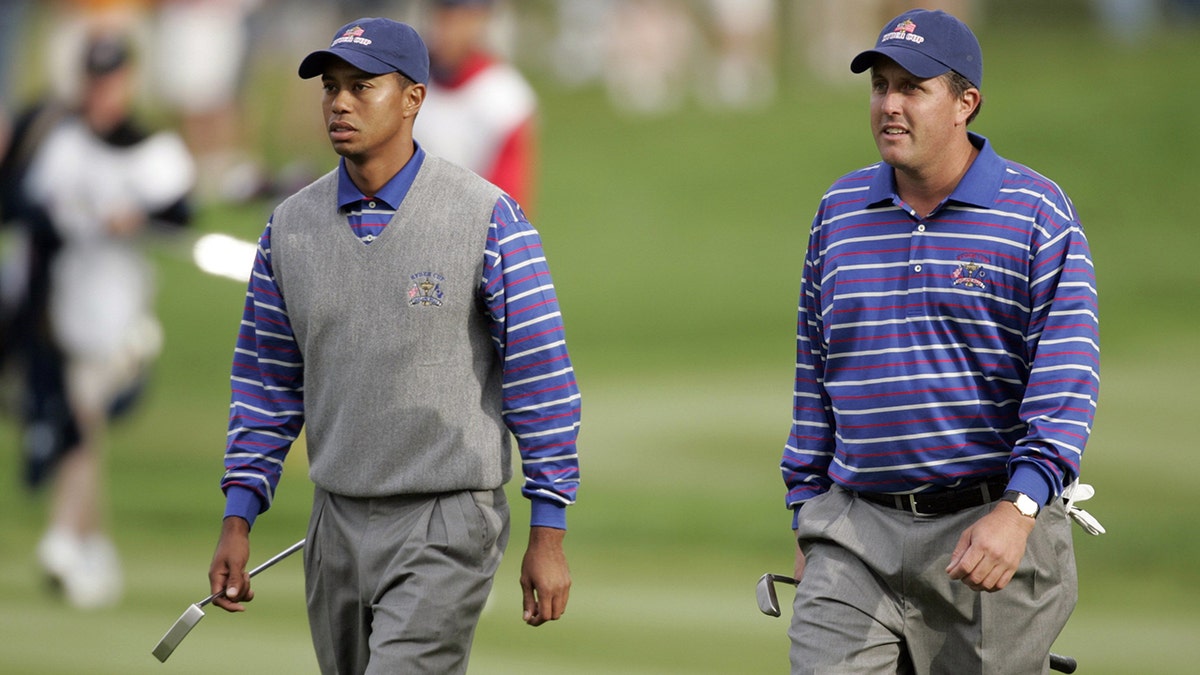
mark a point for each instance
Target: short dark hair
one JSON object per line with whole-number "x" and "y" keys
{"x": 959, "y": 86}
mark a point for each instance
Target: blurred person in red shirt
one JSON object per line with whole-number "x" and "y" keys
{"x": 480, "y": 112}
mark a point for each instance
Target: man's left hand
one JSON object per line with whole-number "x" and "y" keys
{"x": 988, "y": 552}
{"x": 545, "y": 580}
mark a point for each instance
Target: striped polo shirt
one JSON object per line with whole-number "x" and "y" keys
{"x": 935, "y": 352}
{"x": 541, "y": 398}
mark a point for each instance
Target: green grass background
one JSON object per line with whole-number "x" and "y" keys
{"x": 676, "y": 246}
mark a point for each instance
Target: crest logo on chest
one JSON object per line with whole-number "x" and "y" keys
{"x": 972, "y": 271}
{"x": 425, "y": 289}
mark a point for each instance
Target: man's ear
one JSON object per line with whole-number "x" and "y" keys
{"x": 413, "y": 97}
{"x": 968, "y": 103}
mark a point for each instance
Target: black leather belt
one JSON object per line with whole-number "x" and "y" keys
{"x": 942, "y": 501}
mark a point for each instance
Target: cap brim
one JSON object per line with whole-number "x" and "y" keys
{"x": 314, "y": 64}
{"x": 909, "y": 59}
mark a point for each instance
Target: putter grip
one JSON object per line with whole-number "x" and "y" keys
{"x": 1063, "y": 664}
{"x": 276, "y": 558}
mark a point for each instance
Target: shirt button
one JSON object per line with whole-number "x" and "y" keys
{"x": 369, "y": 237}
{"x": 371, "y": 204}
{"x": 920, "y": 228}
{"x": 916, "y": 268}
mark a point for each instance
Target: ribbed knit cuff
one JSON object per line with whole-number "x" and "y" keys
{"x": 546, "y": 513}
{"x": 242, "y": 502}
{"x": 1029, "y": 480}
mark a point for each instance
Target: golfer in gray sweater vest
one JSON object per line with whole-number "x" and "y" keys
{"x": 402, "y": 314}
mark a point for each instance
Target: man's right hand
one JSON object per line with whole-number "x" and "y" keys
{"x": 227, "y": 575}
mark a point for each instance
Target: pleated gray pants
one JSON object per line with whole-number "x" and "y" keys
{"x": 397, "y": 584}
{"x": 875, "y": 597}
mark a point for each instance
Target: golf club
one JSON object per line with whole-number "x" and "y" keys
{"x": 768, "y": 603}
{"x": 192, "y": 615}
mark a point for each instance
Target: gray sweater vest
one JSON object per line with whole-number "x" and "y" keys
{"x": 402, "y": 383}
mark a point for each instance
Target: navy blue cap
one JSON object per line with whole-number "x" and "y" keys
{"x": 374, "y": 46}
{"x": 927, "y": 44}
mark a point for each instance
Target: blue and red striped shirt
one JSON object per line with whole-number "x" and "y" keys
{"x": 541, "y": 397}
{"x": 936, "y": 352}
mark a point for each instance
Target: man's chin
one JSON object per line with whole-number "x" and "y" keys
{"x": 344, "y": 150}
{"x": 896, "y": 160}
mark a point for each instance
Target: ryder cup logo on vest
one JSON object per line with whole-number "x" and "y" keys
{"x": 905, "y": 30}
{"x": 426, "y": 289}
{"x": 353, "y": 35}
{"x": 970, "y": 272}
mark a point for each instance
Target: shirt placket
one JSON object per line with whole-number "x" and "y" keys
{"x": 918, "y": 267}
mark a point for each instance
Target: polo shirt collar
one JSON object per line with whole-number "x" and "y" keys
{"x": 392, "y": 193}
{"x": 978, "y": 186}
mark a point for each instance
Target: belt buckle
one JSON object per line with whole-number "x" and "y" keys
{"x": 911, "y": 502}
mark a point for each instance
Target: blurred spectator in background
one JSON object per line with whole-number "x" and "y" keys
{"x": 479, "y": 112}
{"x": 202, "y": 50}
{"x": 830, "y": 29}
{"x": 577, "y": 50}
{"x": 61, "y": 29}
{"x": 648, "y": 61}
{"x": 88, "y": 182}
{"x": 653, "y": 55}
{"x": 742, "y": 70}
{"x": 12, "y": 24}
{"x": 30, "y": 240}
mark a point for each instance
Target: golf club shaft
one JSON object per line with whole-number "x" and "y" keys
{"x": 279, "y": 556}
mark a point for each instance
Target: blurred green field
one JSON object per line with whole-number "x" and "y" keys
{"x": 676, "y": 246}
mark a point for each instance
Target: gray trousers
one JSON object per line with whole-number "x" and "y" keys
{"x": 875, "y": 597}
{"x": 397, "y": 584}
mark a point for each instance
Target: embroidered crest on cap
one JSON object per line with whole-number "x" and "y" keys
{"x": 426, "y": 289}
{"x": 354, "y": 35}
{"x": 971, "y": 271}
{"x": 905, "y": 30}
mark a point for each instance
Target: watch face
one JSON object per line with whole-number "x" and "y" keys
{"x": 1026, "y": 505}
{"x": 1023, "y": 502}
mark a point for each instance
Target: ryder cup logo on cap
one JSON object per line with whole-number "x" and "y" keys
{"x": 353, "y": 35}
{"x": 375, "y": 46}
{"x": 927, "y": 44}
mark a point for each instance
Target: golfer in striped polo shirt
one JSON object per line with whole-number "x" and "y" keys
{"x": 402, "y": 313}
{"x": 947, "y": 368}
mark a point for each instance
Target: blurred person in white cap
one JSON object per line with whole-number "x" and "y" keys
{"x": 479, "y": 112}
{"x": 101, "y": 181}
{"x": 947, "y": 372}
{"x": 402, "y": 315}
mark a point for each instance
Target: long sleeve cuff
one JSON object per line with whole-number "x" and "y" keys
{"x": 242, "y": 502}
{"x": 1028, "y": 480}
{"x": 547, "y": 513}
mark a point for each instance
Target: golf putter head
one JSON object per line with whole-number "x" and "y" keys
{"x": 192, "y": 615}
{"x": 188, "y": 620}
{"x": 768, "y": 601}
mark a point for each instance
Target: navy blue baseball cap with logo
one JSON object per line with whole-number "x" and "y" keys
{"x": 927, "y": 43}
{"x": 374, "y": 46}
